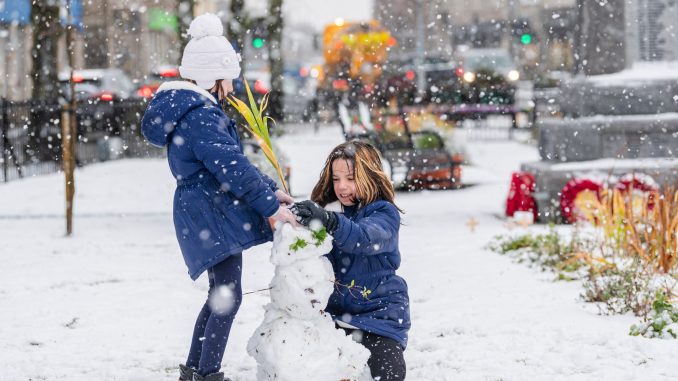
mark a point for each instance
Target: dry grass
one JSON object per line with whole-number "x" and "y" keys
{"x": 636, "y": 225}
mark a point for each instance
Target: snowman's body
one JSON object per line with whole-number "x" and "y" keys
{"x": 297, "y": 340}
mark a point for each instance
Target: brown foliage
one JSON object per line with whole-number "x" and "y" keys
{"x": 637, "y": 225}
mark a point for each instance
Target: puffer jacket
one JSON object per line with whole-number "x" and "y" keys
{"x": 365, "y": 254}
{"x": 222, "y": 201}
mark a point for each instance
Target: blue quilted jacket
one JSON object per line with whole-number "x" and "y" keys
{"x": 365, "y": 254}
{"x": 221, "y": 201}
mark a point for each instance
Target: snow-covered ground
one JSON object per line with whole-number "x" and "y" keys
{"x": 114, "y": 302}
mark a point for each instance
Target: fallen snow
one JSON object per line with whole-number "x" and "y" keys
{"x": 606, "y": 164}
{"x": 114, "y": 301}
{"x": 640, "y": 73}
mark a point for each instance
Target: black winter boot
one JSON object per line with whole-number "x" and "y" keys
{"x": 210, "y": 377}
{"x": 185, "y": 373}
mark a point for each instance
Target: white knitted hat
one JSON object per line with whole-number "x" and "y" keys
{"x": 208, "y": 56}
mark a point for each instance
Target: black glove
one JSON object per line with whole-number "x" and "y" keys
{"x": 308, "y": 211}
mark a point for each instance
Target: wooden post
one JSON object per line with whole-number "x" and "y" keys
{"x": 67, "y": 162}
{"x": 68, "y": 131}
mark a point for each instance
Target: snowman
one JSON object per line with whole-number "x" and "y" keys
{"x": 297, "y": 340}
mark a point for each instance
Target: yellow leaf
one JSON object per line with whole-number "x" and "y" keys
{"x": 253, "y": 106}
{"x": 258, "y": 127}
{"x": 242, "y": 108}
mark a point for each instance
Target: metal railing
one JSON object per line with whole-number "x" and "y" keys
{"x": 30, "y": 135}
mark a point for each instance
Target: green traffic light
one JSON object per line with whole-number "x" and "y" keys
{"x": 258, "y": 43}
{"x": 526, "y": 39}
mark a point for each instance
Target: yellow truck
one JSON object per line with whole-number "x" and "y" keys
{"x": 354, "y": 53}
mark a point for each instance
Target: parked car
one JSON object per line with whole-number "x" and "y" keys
{"x": 96, "y": 90}
{"x": 486, "y": 76}
{"x": 398, "y": 81}
{"x": 159, "y": 75}
{"x": 99, "y": 84}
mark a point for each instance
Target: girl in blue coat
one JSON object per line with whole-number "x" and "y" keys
{"x": 222, "y": 202}
{"x": 365, "y": 254}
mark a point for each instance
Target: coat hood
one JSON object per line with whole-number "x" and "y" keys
{"x": 172, "y": 102}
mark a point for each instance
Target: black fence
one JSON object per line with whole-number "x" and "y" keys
{"x": 31, "y": 135}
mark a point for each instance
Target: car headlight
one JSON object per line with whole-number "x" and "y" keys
{"x": 513, "y": 75}
{"x": 469, "y": 77}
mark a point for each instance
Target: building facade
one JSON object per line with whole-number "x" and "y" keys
{"x": 133, "y": 35}
{"x": 651, "y": 30}
{"x": 500, "y": 23}
{"x": 400, "y": 18}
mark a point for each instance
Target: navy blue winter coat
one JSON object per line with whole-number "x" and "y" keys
{"x": 365, "y": 253}
{"x": 222, "y": 200}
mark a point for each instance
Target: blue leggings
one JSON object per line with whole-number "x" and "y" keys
{"x": 210, "y": 334}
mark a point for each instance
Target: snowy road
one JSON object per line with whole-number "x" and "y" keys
{"x": 114, "y": 302}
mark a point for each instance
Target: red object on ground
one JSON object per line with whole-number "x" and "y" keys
{"x": 520, "y": 197}
{"x": 639, "y": 183}
{"x": 642, "y": 183}
{"x": 570, "y": 192}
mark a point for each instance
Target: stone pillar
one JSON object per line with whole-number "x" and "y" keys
{"x": 601, "y": 36}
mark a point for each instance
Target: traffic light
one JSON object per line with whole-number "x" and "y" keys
{"x": 522, "y": 31}
{"x": 259, "y": 33}
{"x": 257, "y": 42}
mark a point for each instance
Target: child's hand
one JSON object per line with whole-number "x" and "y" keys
{"x": 285, "y": 215}
{"x": 284, "y": 198}
{"x": 308, "y": 211}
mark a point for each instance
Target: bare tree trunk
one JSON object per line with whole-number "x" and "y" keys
{"x": 275, "y": 29}
{"x": 46, "y": 31}
{"x": 238, "y": 24}
{"x": 185, "y": 9}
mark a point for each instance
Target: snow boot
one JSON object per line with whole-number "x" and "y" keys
{"x": 210, "y": 377}
{"x": 185, "y": 373}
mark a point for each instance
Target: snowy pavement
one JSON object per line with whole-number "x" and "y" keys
{"x": 114, "y": 302}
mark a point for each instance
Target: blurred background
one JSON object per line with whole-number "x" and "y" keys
{"x": 416, "y": 78}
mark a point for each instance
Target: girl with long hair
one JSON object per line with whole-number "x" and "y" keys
{"x": 370, "y": 300}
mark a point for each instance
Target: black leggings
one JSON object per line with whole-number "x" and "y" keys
{"x": 212, "y": 328}
{"x": 386, "y": 362}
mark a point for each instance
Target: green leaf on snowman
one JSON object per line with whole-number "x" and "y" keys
{"x": 300, "y": 243}
{"x": 319, "y": 236}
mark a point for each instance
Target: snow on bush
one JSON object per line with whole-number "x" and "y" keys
{"x": 662, "y": 321}
{"x": 297, "y": 340}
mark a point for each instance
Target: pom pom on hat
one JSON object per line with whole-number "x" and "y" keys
{"x": 205, "y": 25}
{"x": 208, "y": 56}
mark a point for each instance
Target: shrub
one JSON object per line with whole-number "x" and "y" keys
{"x": 548, "y": 251}
{"x": 620, "y": 290}
{"x": 661, "y": 323}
